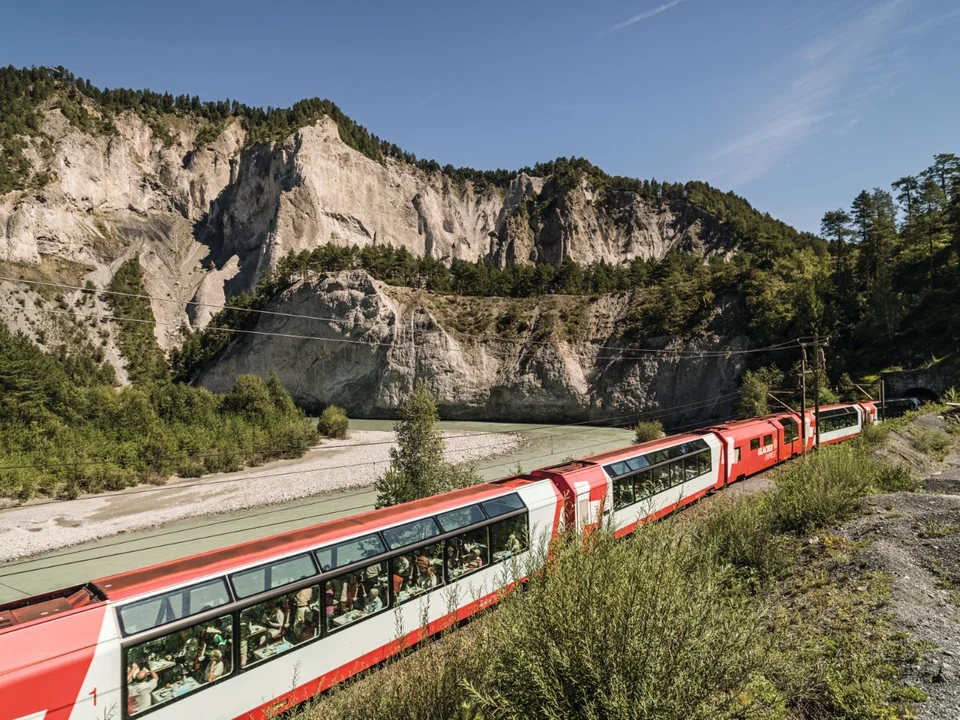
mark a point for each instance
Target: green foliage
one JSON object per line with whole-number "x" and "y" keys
{"x": 417, "y": 468}
{"x": 730, "y": 615}
{"x": 755, "y": 386}
{"x": 145, "y": 360}
{"x": 333, "y": 422}
{"x": 647, "y": 430}
{"x": 65, "y": 430}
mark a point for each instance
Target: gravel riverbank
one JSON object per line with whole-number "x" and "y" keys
{"x": 336, "y": 465}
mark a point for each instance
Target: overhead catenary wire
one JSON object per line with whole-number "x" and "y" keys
{"x": 622, "y": 351}
{"x": 140, "y": 546}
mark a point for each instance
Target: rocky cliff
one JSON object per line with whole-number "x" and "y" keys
{"x": 385, "y": 337}
{"x": 208, "y": 217}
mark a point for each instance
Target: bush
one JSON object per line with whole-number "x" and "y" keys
{"x": 648, "y": 430}
{"x": 824, "y": 488}
{"x": 333, "y": 422}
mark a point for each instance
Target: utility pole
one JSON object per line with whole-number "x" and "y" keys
{"x": 803, "y": 399}
{"x": 816, "y": 387}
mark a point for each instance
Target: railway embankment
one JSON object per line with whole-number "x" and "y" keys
{"x": 833, "y": 593}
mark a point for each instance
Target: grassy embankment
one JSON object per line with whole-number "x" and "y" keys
{"x": 751, "y": 608}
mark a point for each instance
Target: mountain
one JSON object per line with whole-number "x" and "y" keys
{"x": 204, "y": 203}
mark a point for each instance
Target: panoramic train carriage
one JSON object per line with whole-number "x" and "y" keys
{"x": 228, "y": 633}
{"x": 640, "y": 482}
{"x": 839, "y": 422}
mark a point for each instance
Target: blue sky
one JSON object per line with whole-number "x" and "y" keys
{"x": 795, "y": 104}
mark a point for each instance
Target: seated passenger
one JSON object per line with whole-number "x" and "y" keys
{"x": 215, "y": 668}
{"x": 474, "y": 561}
{"x": 371, "y": 577}
{"x": 275, "y": 623}
{"x": 423, "y": 568}
{"x": 303, "y": 599}
{"x": 374, "y": 603}
{"x": 405, "y": 570}
{"x": 513, "y": 545}
{"x": 454, "y": 563}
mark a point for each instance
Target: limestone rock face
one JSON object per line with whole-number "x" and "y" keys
{"x": 385, "y": 338}
{"x": 208, "y": 219}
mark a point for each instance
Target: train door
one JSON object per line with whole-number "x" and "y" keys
{"x": 790, "y": 438}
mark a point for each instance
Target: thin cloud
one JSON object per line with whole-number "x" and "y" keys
{"x": 644, "y": 15}
{"x": 816, "y": 95}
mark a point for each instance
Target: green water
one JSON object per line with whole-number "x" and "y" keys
{"x": 542, "y": 446}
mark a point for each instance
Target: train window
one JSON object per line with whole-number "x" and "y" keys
{"x": 691, "y": 467}
{"x": 658, "y": 457}
{"x": 755, "y": 444}
{"x": 456, "y": 519}
{"x": 661, "y": 478}
{"x": 267, "y": 577}
{"x": 411, "y": 533}
{"x": 790, "y": 430}
{"x": 163, "y": 609}
{"x": 619, "y": 501}
{"x": 676, "y": 472}
{"x": 417, "y": 573}
{"x": 617, "y": 468}
{"x": 837, "y": 419}
{"x": 508, "y": 538}
{"x": 643, "y": 485}
{"x": 356, "y": 595}
{"x": 463, "y": 555}
{"x": 273, "y": 627}
{"x": 767, "y": 440}
{"x": 638, "y": 462}
{"x": 174, "y": 665}
{"x": 627, "y": 494}
{"x": 703, "y": 459}
{"x": 503, "y": 505}
{"x": 347, "y": 553}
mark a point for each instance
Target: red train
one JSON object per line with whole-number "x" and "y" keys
{"x": 251, "y": 630}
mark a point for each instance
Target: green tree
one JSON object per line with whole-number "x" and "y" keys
{"x": 417, "y": 468}
{"x": 755, "y": 390}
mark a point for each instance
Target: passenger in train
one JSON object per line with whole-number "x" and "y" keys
{"x": 374, "y": 603}
{"x": 405, "y": 571}
{"x": 513, "y": 545}
{"x": 371, "y": 577}
{"x": 215, "y": 666}
{"x": 140, "y": 683}
{"x": 454, "y": 561}
{"x": 303, "y": 600}
{"x": 275, "y": 623}
{"x": 474, "y": 560}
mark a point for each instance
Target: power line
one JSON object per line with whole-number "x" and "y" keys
{"x": 323, "y": 499}
{"x": 140, "y": 542}
{"x": 621, "y": 351}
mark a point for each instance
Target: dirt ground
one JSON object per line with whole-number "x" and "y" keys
{"x": 915, "y": 539}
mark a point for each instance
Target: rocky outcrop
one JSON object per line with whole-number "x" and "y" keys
{"x": 385, "y": 338}
{"x": 208, "y": 219}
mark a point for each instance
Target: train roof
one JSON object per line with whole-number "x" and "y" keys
{"x": 175, "y": 572}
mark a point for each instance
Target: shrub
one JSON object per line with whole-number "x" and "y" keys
{"x": 821, "y": 489}
{"x": 648, "y": 430}
{"x": 333, "y": 422}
